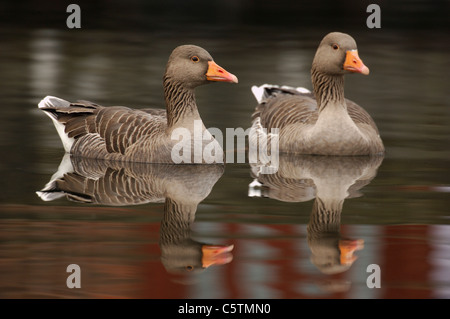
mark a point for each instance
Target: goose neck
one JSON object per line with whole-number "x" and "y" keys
{"x": 180, "y": 102}
{"x": 177, "y": 220}
{"x": 325, "y": 216}
{"x": 328, "y": 89}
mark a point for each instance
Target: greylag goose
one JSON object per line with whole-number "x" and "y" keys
{"x": 180, "y": 187}
{"x": 147, "y": 135}
{"x": 329, "y": 181}
{"x": 323, "y": 122}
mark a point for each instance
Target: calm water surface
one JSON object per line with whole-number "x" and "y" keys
{"x": 285, "y": 239}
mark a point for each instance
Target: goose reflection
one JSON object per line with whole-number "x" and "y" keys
{"x": 180, "y": 187}
{"x": 329, "y": 181}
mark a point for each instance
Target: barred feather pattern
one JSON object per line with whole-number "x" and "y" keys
{"x": 113, "y": 187}
{"x": 325, "y": 217}
{"x": 285, "y": 109}
{"x": 108, "y": 132}
{"x": 327, "y": 88}
{"x": 176, "y": 222}
{"x": 117, "y": 183}
{"x": 125, "y": 134}
{"x": 296, "y": 114}
{"x": 180, "y": 102}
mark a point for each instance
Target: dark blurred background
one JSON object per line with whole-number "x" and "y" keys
{"x": 234, "y": 14}
{"x": 118, "y": 58}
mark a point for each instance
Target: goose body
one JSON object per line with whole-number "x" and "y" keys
{"x": 180, "y": 187}
{"x": 328, "y": 181}
{"x": 144, "y": 135}
{"x": 322, "y": 122}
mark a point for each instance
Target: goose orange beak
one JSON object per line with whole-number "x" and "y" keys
{"x": 216, "y": 255}
{"x": 217, "y": 73}
{"x": 347, "y": 248}
{"x": 354, "y": 64}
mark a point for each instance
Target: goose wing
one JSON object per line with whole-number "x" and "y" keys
{"x": 118, "y": 127}
{"x": 359, "y": 115}
{"x": 282, "y": 106}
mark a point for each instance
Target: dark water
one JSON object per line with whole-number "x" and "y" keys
{"x": 393, "y": 213}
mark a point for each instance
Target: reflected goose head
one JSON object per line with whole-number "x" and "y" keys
{"x": 337, "y": 54}
{"x": 190, "y": 256}
{"x": 192, "y": 66}
{"x": 334, "y": 255}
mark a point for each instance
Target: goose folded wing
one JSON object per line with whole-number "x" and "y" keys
{"x": 359, "y": 115}
{"x": 287, "y": 109}
{"x": 120, "y": 127}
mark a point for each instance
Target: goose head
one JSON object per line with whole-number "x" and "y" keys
{"x": 337, "y": 54}
{"x": 192, "y": 66}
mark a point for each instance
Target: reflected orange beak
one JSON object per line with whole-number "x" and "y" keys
{"x": 347, "y": 248}
{"x": 216, "y": 255}
{"x": 217, "y": 73}
{"x": 354, "y": 64}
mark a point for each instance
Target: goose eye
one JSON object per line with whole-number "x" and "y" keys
{"x": 195, "y": 58}
{"x": 190, "y": 268}
{"x": 335, "y": 46}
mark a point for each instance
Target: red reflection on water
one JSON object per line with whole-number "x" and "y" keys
{"x": 121, "y": 259}
{"x": 406, "y": 267}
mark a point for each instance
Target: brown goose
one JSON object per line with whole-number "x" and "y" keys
{"x": 147, "y": 135}
{"x": 322, "y": 123}
{"x": 180, "y": 187}
{"x": 329, "y": 181}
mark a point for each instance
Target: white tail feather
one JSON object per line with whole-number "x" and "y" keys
{"x": 261, "y": 93}
{"x": 50, "y": 191}
{"x": 254, "y": 189}
{"x": 52, "y": 101}
{"x": 55, "y": 102}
